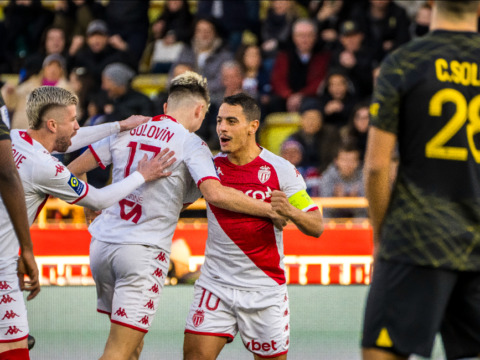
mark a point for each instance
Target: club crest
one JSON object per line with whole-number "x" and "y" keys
{"x": 264, "y": 174}
{"x": 198, "y": 317}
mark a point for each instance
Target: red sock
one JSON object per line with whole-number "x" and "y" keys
{"x": 15, "y": 354}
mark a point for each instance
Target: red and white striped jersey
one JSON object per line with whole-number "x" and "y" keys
{"x": 245, "y": 251}
{"x": 42, "y": 175}
{"x": 149, "y": 215}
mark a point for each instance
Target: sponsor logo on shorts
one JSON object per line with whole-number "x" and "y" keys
{"x": 7, "y": 299}
{"x": 198, "y": 317}
{"x": 265, "y": 346}
{"x": 10, "y": 315}
{"x": 12, "y": 330}
{"x": 144, "y": 320}
{"x": 149, "y": 305}
{"x": 4, "y": 285}
{"x": 75, "y": 184}
{"x": 161, "y": 257}
{"x": 121, "y": 312}
{"x": 154, "y": 289}
{"x": 264, "y": 174}
{"x": 158, "y": 273}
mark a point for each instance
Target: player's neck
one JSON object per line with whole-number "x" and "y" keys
{"x": 440, "y": 22}
{"x": 245, "y": 155}
{"x": 40, "y": 136}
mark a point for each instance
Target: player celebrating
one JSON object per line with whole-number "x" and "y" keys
{"x": 426, "y": 275}
{"x": 242, "y": 286}
{"x": 131, "y": 240}
{"x": 51, "y": 113}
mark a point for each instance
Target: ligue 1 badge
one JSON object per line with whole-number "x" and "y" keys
{"x": 264, "y": 174}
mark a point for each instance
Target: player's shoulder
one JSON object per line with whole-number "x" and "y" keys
{"x": 275, "y": 160}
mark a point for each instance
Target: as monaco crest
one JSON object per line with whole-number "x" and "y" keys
{"x": 264, "y": 174}
{"x": 198, "y": 318}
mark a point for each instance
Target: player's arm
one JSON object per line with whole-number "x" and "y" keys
{"x": 380, "y": 146}
{"x": 234, "y": 200}
{"x": 91, "y": 134}
{"x": 296, "y": 208}
{"x": 13, "y": 197}
{"x": 147, "y": 170}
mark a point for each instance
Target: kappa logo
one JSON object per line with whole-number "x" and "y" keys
{"x": 297, "y": 172}
{"x": 12, "y": 330}
{"x": 158, "y": 273}
{"x": 219, "y": 171}
{"x": 161, "y": 257}
{"x": 198, "y": 317}
{"x": 154, "y": 289}
{"x": 144, "y": 320}
{"x": 10, "y": 315}
{"x": 7, "y": 299}
{"x": 121, "y": 312}
{"x": 149, "y": 305}
{"x": 286, "y": 312}
{"x": 264, "y": 174}
{"x": 286, "y": 327}
{"x": 4, "y": 285}
{"x": 285, "y": 298}
{"x": 288, "y": 340}
{"x": 59, "y": 169}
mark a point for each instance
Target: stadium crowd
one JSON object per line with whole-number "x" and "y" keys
{"x": 314, "y": 58}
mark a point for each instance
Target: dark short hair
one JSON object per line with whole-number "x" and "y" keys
{"x": 249, "y": 105}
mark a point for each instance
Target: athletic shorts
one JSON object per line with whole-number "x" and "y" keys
{"x": 129, "y": 280}
{"x": 261, "y": 317}
{"x": 408, "y": 305}
{"x": 13, "y": 313}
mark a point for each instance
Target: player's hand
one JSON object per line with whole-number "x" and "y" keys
{"x": 90, "y": 215}
{"x": 28, "y": 266}
{"x": 278, "y": 221}
{"x": 155, "y": 168}
{"x": 132, "y": 122}
{"x": 280, "y": 204}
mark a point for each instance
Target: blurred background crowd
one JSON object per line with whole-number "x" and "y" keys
{"x": 310, "y": 64}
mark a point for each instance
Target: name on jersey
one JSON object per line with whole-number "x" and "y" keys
{"x": 153, "y": 132}
{"x": 464, "y": 73}
{"x": 18, "y": 157}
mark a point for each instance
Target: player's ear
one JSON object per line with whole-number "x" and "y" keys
{"x": 198, "y": 110}
{"x": 165, "y": 107}
{"x": 253, "y": 127}
{"x": 52, "y": 125}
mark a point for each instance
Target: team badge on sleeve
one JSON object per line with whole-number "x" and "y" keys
{"x": 76, "y": 184}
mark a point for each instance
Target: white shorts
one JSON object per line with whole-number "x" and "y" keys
{"x": 129, "y": 280}
{"x": 261, "y": 317}
{"x": 13, "y": 313}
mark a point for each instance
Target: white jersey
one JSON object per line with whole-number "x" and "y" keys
{"x": 245, "y": 251}
{"x": 42, "y": 175}
{"x": 150, "y": 214}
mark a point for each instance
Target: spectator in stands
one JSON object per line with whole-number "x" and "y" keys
{"x": 386, "y": 26}
{"x": 53, "y": 42}
{"x": 421, "y": 25}
{"x": 169, "y": 33}
{"x": 354, "y": 58}
{"x": 25, "y": 22}
{"x": 123, "y": 101}
{"x": 53, "y": 73}
{"x": 232, "y": 78}
{"x": 83, "y": 85}
{"x": 276, "y": 29}
{"x": 128, "y": 23}
{"x": 320, "y": 141}
{"x": 97, "y": 52}
{"x": 338, "y": 98}
{"x": 292, "y": 151}
{"x": 235, "y": 17}
{"x": 256, "y": 81}
{"x": 344, "y": 178}
{"x": 299, "y": 71}
{"x": 356, "y": 131}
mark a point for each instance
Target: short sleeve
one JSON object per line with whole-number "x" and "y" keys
{"x": 192, "y": 194}
{"x": 55, "y": 179}
{"x": 199, "y": 159}
{"x": 102, "y": 152}
{"x": 385, "y": 107}
{"x": 293, "y": 185}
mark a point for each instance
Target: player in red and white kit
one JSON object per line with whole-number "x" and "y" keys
{"x": 52, "y": 117}
{"x": 132, "y": 239}
{"x": 242, "y": 287}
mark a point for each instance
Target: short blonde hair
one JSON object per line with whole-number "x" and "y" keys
{"x": 188, "y": 84}
{"x": 45, "y": 98}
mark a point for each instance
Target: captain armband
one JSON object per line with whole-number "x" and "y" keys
{"x": 301, "y": 200}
